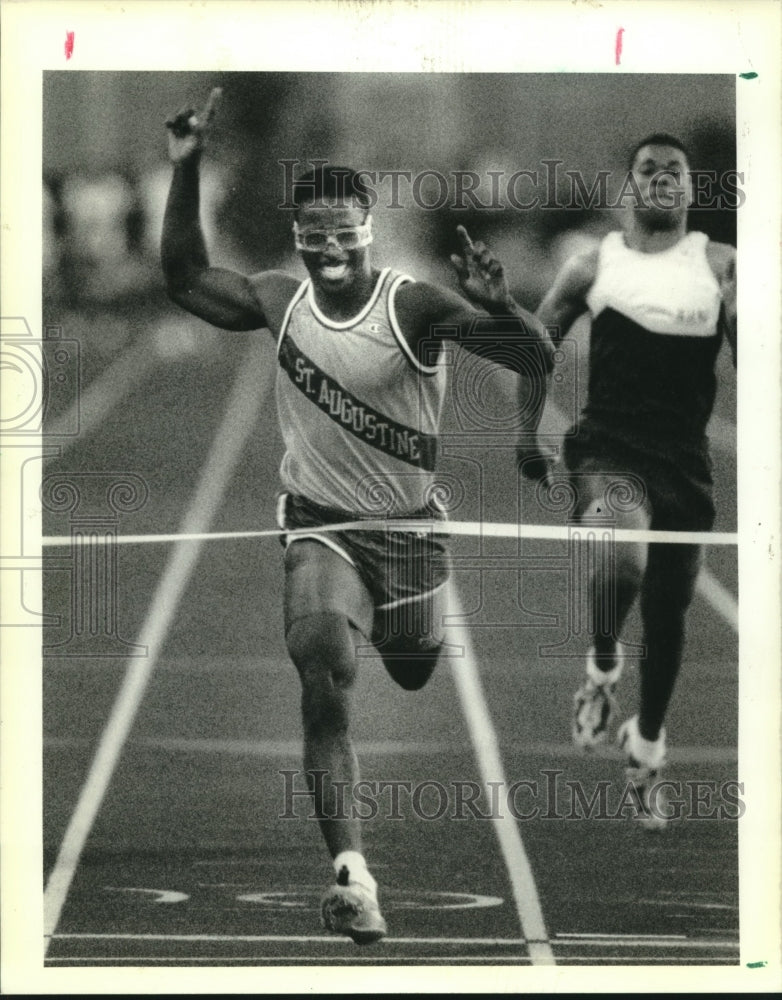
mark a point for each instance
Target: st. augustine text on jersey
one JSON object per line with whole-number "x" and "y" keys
{"x": 354, "y": 416}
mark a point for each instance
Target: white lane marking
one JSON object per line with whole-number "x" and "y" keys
{"x": 596, "y": 941}
{"x": 563, "y": 940}
{"x": 162, "y": 895}
{"x": 386, "y": 960}
{"x": 292, "y": 748}
{"x": 481, "y": 529}
{"x": 305, "y": 899}
{"x": 238, "y": 421}
{"x": 719, "y": 597}
{"x": 289, "y": 960}
{"x": 688, "y": 904}
{"x": 565, "y": 936}
{"x": 487, "y": 752}
{"x": 292, "y": 938}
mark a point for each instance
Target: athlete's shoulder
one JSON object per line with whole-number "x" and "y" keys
{"x": 422, "y": 299}
{"x": 275, "y": 283}
{"x": 578, "y": 273}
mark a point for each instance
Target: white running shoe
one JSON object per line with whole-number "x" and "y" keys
{"x": 351, "y": 908}
{"x": 645, "y": 760}
{"x": 594, "y": 705}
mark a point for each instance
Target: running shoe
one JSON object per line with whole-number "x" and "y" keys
{"x": 594, "y": 705}
{"x": 350, "y": 908}
{"x": 643, "y": 770}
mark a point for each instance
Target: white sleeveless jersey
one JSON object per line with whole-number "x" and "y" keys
{"x": 359, "y": 414}
{"x": 670, "y": 292}
{"x": 654, "y": 342}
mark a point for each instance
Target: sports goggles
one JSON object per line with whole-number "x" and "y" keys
{"x": 345, "y": 237}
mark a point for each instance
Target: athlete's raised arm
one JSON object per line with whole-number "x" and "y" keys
{"x": 492, "y": 325}
{"x": 566, "y": 299}
{"x": 482, "y": 279}
{"x": 224, "y": 298}
{"x": 496, "y": 318}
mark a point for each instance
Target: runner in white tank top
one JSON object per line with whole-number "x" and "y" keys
{"x": 661, "y": 300}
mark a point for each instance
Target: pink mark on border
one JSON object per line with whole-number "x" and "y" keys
{"x": 69, "y": 36}
{"x": 618, "y": 46}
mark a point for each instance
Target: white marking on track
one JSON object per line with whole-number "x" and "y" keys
{"x": 487, "y": 751}
{"x": 238, "y": 421}
{"x": 292, "y": 938}
{"x": 373, "y": 960}
{"x": 640, "y": 941}
{"x": 719, "y": 597}
{"x": 423, "y": 900}
{"x": 688, "y": 904}
{"x": 561, "y": 940}
{"x": 161, "y": 895}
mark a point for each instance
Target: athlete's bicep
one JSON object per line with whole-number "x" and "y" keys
{"x": 274, "y": 291}
{"x": 224, "y": 298}
{"x": 566, "y": 299}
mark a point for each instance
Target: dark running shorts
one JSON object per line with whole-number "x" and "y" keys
{"x": 395, "y": 566}
{"x": 677, "y": 475}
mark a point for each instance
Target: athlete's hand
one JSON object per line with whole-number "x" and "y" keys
{"x": 186, "y": 129}
{"x": 481, "y": 275}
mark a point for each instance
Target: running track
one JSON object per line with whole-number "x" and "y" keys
{"x": 176, "y": 850}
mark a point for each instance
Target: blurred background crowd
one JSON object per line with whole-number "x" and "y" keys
{"x": 106, "y": 176}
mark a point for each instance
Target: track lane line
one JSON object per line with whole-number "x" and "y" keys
{"x": 291, "y": 938}
{"x": 719, "y": 597}
{"x": 226, "y": 449}
{"x": 559, "y": 940}
{"x": 380, "y": 962}
{"x": 486, "y": 747}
